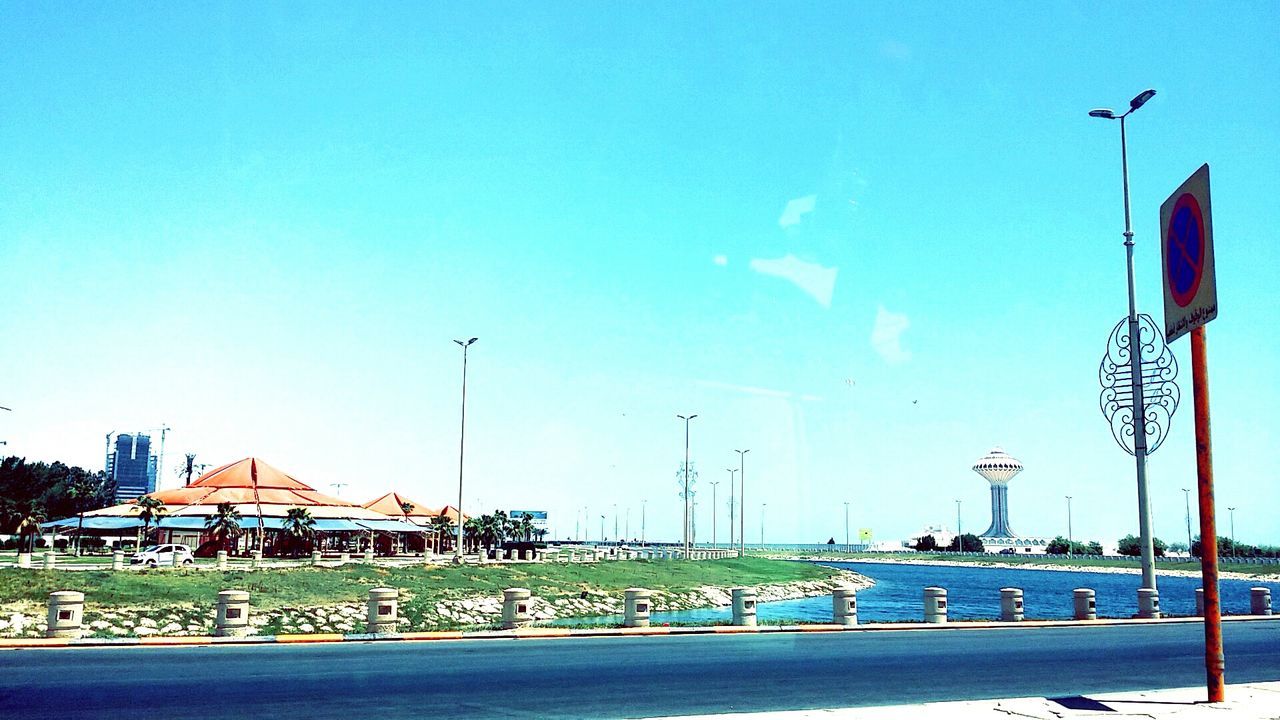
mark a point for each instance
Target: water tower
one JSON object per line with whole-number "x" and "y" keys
{"x": 998, "y": 467}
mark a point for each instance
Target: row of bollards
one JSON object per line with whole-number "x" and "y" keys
{"x": 66, "y": 608}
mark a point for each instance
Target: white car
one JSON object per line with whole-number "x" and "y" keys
{"x": 162, "y": 555}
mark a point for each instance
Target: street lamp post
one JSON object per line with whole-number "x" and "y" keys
{"x": 959, "y": 535}
{"x": 686, "y": 420}
{"x": 602, "y": 529}
{"x": 713, "y": 512}
{"x": 1135, "y": 353}
{"x": 1186, "y": 496}
{"x": 732, "y": 474}
{"x": 1071, "y": 541}
{"x": 762, "y": 507}
{"x": 616, "y": 538}
{"x": 846, "y": 527}
{"x": 742, "y": 500}
{"x": 462, "y": 444}
{"x": 1234, "y": 552}
{"x": 644, "y": 505}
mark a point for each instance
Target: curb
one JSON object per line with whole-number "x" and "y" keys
{"x": 536, "y": 633}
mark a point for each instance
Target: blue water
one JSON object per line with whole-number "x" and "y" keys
{"x": 973, "y": 593}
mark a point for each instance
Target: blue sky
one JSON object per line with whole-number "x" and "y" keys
{"x": 867, "y": 241}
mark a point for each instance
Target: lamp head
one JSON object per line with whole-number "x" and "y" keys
{"x": 1106, "y": 113}
{"x": 1141, "y": 99}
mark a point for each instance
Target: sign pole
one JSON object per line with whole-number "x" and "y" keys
{"x": 1214, "y": 660}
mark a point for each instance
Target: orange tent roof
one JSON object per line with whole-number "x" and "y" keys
{"x": 248, "y": 481}
{"x": 392, "y": 504}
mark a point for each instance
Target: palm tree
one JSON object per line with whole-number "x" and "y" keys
{"x": 29, "y": 519}
{"x": 471, "y": 532}
{"x": 524, "y": 527}
{"x": 406, "y": 508}
{"x": 79, "y": 490}
{"x": 299, "y": 527}
{"x": 224, "y": 524}
{"x": 152, "y": 509}
{"x": 440, "y": 524}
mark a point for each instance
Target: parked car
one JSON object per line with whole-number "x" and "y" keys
{"x": 1008, "y": 551}
{"x": 160, "y": 555}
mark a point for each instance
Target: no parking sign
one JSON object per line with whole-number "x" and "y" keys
{"x": 1186, "y": 245}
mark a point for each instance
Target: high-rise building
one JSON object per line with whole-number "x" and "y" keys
{"x": 132, "y": 465}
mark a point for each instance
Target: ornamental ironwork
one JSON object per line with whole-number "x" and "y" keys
{"x": 1160, "y": 394}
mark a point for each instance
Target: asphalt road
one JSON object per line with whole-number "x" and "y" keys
{"x": 618, "y": 677}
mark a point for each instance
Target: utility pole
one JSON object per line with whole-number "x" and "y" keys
{"x": 742, "y": 501}
{"x": 732, "y": 473}
{"x": 762, "y": 507}
{"x": 462, "y": 444}
{"x": 644, "y": 504}
{"x": 1071, "y": 540}
{"x": 959, "y": 534}
{"x": 686, "y": 420}
{"x": 1186, "y": 496}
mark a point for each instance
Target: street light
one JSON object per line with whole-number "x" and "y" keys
{"x": 644, "y": 505}
{"x": 602, "y": 529}
{"x": 1135, "y": 353}
{"x": 1070, "y": 537}
{"x": 846, "y": 527}
{"x": 742, "y": 500}
{"x": 462, "y": 444}
{"x": 732, "y": 474}
{"x": 713, "y": 512}
{"x": 959, "y": 536}
{"x": 762, "y": 507}
{"x": 686, "y": 480}
{"x": 615, "y": 525}
{"x": 1233, "y": 531}
{"x": 1186, "y": 495}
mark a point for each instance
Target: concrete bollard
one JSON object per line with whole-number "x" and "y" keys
{"x": 636, "y": 607}
{"x": 935, "y": 605}
{"x": 117, "y": 559}
{"x": 66, "y": 612}
{"x": 50, "y": 560}
{"x": 515, "y": 608}
{"x": 1199, "y": 602}
{"x": 233, "y": 614}
{"x": 1011, "y": 604}
{"x": 1086, "y": 606}
{"x": 384, "y": 606}
{"x": 1259, "y": 601}
{"x": 222, "y": 559}
{"x": 844, "y": 606}
{"x": 1148, "y": 603}
{"x": 368, "y": 556}
{"x": 315, "y": 557}
{"x": 344, "y": 558}
{"x": 24, "y": 560}
{"x": 175, "y": 560}
{"x": 257, "y": 559}
{"x": 744, "y": 606}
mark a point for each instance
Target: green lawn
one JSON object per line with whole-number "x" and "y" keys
{"x": 309, "y": 586}
{"x": 1076, "y": 561}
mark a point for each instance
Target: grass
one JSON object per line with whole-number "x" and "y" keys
{"x": 311, "y": 586}
{"x": 1082, "y": 561}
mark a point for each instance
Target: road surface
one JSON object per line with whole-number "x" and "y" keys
{"x": 619, "y": 676}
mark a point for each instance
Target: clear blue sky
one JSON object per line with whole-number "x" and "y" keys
{"x": 868, "y": 241}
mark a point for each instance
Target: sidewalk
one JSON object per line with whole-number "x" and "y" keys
{"x": 1244, "y": 702}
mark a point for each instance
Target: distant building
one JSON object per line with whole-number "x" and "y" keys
{"x": 133, "y": 466}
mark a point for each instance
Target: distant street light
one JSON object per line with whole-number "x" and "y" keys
{"x": 1186, "y": 496}
{"x": 732, "y": 473}
{"x": 1070, "y": 537}
{"x": 713, "y": 512}
{"x": 742, "y": 499}
{"x": 1233, "y": 531}
{"x": 644, "y": 504}
{"x": 462, "y": 444}
{"x": 847, "y": 548}
{"x": 959, "y": 537}
{"x": 616, "y": 537}
{"x": 686, "y": 420}
{"x": 1134, "y": 351}
{"x": 602, "y": 529}
{"x": 762, "y": 507}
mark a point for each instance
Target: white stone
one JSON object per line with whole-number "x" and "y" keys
{"x": 306, "y": 627}
{"x": 172, "y": 627}
{"x": 145, "y": 630}
{"x": 99, "y": 624}
{"x": 147, "y": 622}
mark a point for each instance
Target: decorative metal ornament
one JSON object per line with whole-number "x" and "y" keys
{"x": 1160, "y": 394}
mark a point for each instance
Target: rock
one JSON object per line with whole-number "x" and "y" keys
{"x": 145, "y": 630}
{"x": 99, "y": 624}
{"x": 172, "y": 627}
{"x": 306, "y": 627}
{"x": 147, "y": 622}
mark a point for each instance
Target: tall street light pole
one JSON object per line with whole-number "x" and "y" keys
{"x": 1186, "y": 496}
{"x": 1071, "y": 540}
{"x": 762, "y": 507}
{"x": 732, "y": 474}
{"x": 1234, "y": 552}
{"x": 686, "y": 420}
{"x": 462, "y": 444}
{"x": 742, "y": 500}
{"x": 644, "y": 505}
{"x": 616, "y": 537}
{"x": 846, "y": 527}
{"x": 713, "y": 512}
{"x": 1135, "y": 353}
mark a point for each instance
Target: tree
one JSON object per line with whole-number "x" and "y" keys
{"x": 968, "y": 543}
{"x": 1132, "y": 546}
{"x": 224, "y": 524}
{"x": 406, "y": 508}
{"x": 81, "y": 491}
{"x": 926, "y": 543}
{"x": 471, "y": 532}
{"x": 299, "y": 528}
{"x": 1059, "y": 547}
{"x": 524, "y": 527}
{"x": 28, "y": 519}
{"x": 440, "y": 524}
{"x": 151, "y": 509}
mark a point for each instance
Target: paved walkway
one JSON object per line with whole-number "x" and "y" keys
{"x": 1244, "y": 702}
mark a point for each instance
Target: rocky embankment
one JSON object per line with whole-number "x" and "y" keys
{"x": 28, "y": 619}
